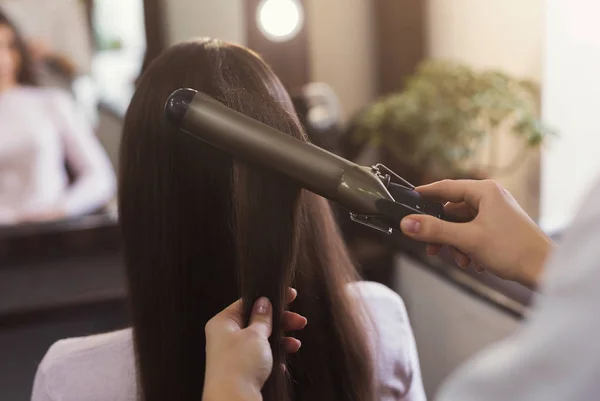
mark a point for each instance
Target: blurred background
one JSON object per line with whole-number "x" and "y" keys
{"x": 503, "y": 89}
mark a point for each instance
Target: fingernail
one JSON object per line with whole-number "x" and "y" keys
{"x": 410, "y": 226}
{"x": 262, "y": 306}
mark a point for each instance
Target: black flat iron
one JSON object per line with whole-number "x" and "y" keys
{"x": 374, "y": 196}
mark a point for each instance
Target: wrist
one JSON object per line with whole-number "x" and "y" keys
{"x": 231, "y": 391}
{"x": 533, "y": 266}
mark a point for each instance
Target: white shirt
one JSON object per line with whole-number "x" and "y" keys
{"x": 79, "y": 369}
{"x": 62, "y": 25}
{"x": 41, "y": 130}
{"x": 555, "y": 356}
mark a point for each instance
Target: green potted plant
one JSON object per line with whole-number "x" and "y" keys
{"x": 447, "y": 114}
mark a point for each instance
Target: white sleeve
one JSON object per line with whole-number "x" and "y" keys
{"x": 556, "y": 354}
{"x": 406, "y": 368}
{"x": 396, "y": 361}
{"x": 95, "y": 182}
{"x": 40, "y": 390}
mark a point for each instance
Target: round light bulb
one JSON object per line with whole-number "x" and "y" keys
{"x": 280, "y": 20}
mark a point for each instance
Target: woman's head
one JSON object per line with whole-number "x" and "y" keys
{"x": 201, "y": 229}
{"x": 15, "y": 62}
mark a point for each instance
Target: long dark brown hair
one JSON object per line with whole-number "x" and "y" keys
{"x": 201, "y": 229}
{"x": 27, "y": 74}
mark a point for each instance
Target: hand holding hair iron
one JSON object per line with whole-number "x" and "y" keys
{"x": 375, "y": 196}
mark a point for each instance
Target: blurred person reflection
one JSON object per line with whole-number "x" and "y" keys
{"x": 43, "y": 138}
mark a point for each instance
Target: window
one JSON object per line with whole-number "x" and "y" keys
{"x": 120, "y": 39}
{"x": 571, "y": 104}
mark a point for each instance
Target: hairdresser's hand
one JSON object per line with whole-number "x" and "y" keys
{"x": 500, "y": 236}
{"x": 239, "y": 361}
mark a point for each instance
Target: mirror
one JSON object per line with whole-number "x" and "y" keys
{"x": 109, "y": 47}
{"x": 87, "y": 54}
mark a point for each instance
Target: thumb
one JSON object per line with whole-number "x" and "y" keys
{"x": 261, "y": 319}
{"x": 433, "y": 230}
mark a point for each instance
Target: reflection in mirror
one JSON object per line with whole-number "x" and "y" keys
{"x": 66, "y": 81}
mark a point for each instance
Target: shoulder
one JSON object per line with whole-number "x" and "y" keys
{"x": 42, "y": 91}
{"x": 381, "y": 302}
{"x": 72, "y": 348}
{"x": 29, "y": 93}
{"x": 48, "y": 96}
{"x": 59, "y": 95}
{"x": 386, "y": 319}
{"x": 61, "y": 104}
{"x": 79, "y": 368}
{"x": 393, "y": 347}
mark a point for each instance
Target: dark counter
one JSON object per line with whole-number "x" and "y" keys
{"x": 53, "y": 266}
{"x": 78, "y": 261}
{"x": 57, "y": 280}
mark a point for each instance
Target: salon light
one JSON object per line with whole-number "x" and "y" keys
{"x": 280, "y": 20}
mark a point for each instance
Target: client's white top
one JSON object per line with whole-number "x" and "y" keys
{"x": 41, "y": 130}
{"x": 102, "y": 367}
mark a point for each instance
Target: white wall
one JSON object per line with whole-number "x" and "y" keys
{"x": 342, "y": 49}
{"x": 497, "y": 34}
{"x": 571, "y": 103}
{"x": 223, "y": 19}
{"x": 503, "y": 34}
{"x": 341, "y": 40}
